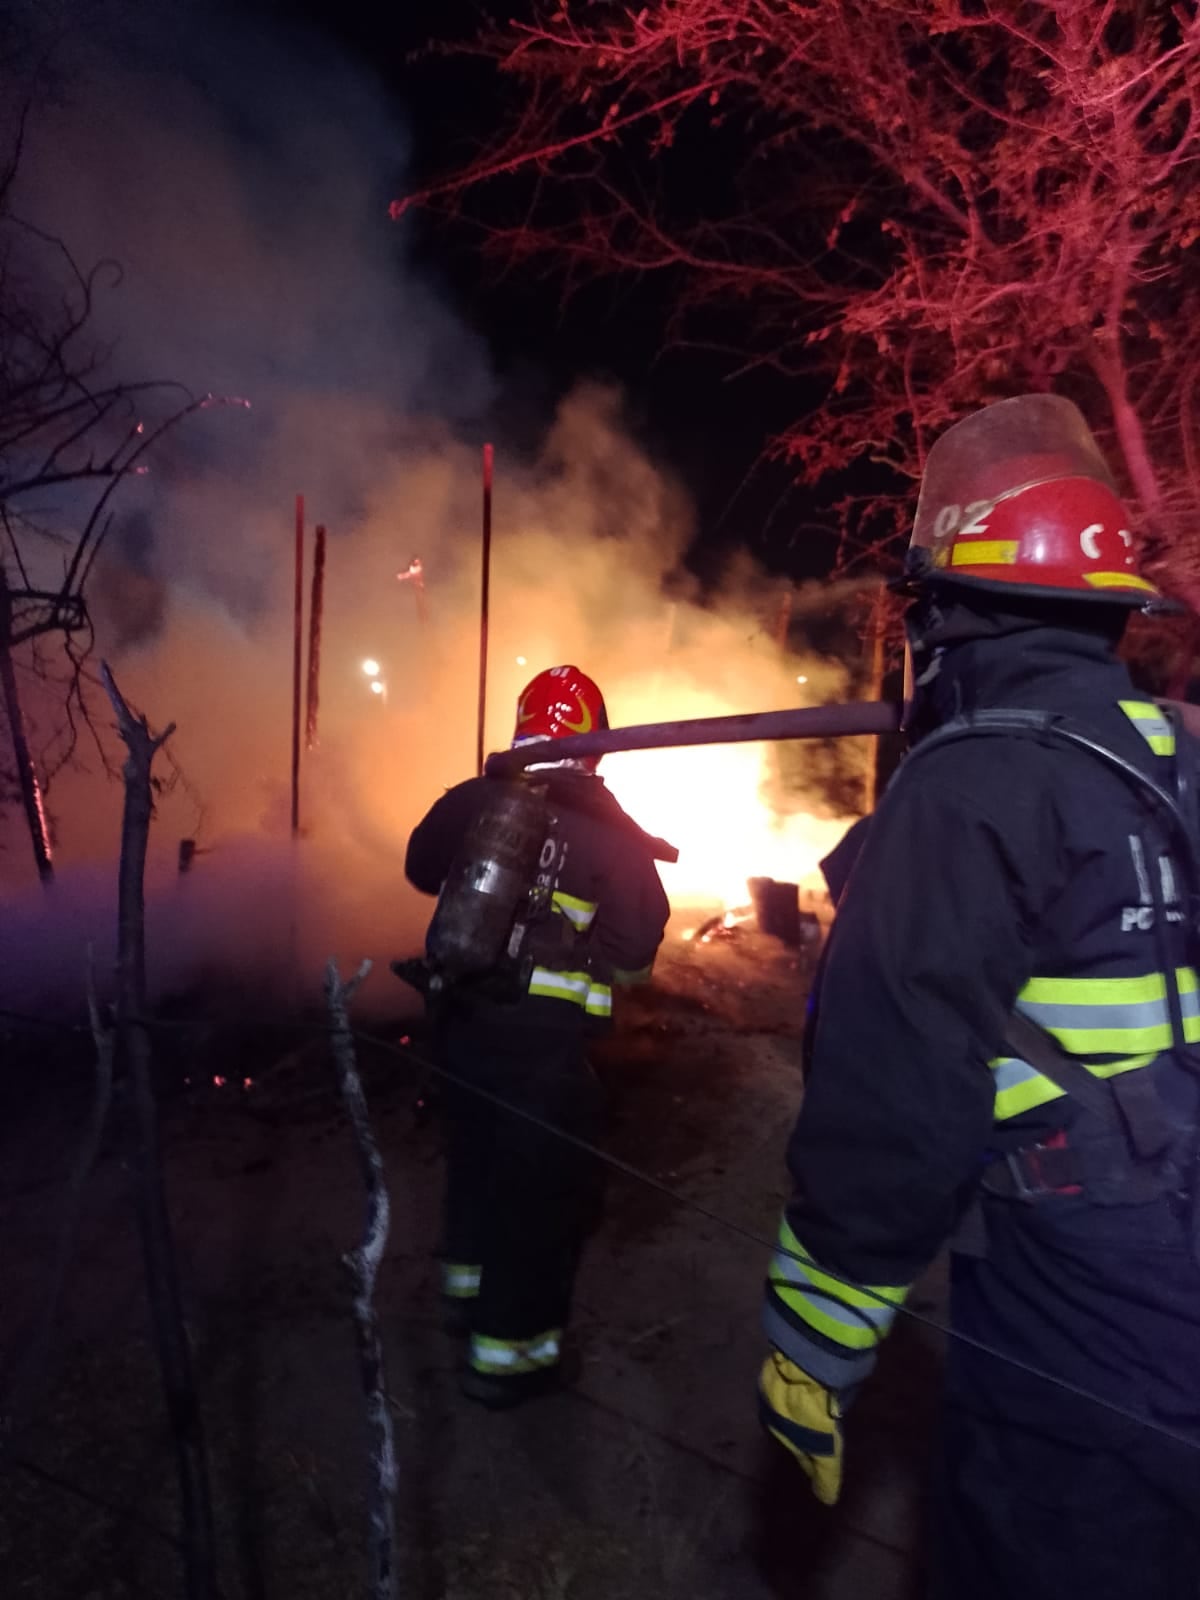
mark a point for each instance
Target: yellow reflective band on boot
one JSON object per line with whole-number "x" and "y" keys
{"x": 503, "y": 1357}
{"x": 461, "y": 1280}
{"x": 856, "y": 1318}
{"x": 1153, "y": 726}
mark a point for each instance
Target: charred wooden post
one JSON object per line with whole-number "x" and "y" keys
{"x": 145, "y": 1152}
{"x": 297, "y": 656}
{"x": 27, "y": 778}
{"x": 485, "y": 582}
{"x": 364, "y": 1263}
{"x": 316, "y": 609}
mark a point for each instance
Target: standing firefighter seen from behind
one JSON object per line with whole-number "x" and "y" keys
{"x": 1003, "y": 1051}
{"x": 548, "y": 897}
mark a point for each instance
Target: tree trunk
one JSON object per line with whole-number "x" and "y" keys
{"x": 145, "y": 1154}
{"x": 1132, "y": 438}
{"x": 27, "y": 779}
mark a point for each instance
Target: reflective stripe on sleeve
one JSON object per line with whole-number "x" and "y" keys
{"x": 851, "y": 1317}
{"x": 579, "y": 913}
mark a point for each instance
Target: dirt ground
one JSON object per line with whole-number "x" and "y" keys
{"x": 648, "y": 1478}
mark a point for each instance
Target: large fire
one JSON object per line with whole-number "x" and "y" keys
{"x": 708, "y": 801}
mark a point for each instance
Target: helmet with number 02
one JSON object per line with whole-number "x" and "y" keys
{"x": 557, "y": 703}
{"x": 1017, "y": 499}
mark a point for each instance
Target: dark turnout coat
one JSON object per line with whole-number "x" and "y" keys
{"x": 999, "y": 873}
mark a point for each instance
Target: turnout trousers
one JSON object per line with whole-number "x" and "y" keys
{"x": 519, "y": 1200}
{"x": 1043, "y": 1494}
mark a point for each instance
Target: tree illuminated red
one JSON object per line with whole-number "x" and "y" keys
{"x": 921, "y": 205}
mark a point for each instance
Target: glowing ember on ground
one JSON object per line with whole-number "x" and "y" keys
{"x": 718, "y": 925}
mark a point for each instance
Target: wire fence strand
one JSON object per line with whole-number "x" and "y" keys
{"x": 769, "y": 1247}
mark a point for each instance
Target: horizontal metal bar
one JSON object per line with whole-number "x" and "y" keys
{"x": 802, "y": 722}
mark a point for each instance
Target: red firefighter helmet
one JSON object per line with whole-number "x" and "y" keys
{"x": 557, "y": 703}
{"x": 1017, "y": 499}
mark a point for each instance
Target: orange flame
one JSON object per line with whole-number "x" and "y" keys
{"x": 708, "y": 802}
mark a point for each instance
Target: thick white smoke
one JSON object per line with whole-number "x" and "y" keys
{"x": 241, "y": 178}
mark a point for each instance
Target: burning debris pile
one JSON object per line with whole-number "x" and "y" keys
{"x": 775, "y": 910}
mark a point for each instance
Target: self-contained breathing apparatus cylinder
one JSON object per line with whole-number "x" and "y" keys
{"x": 489, "y": 882}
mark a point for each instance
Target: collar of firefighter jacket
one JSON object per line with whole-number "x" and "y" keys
{"x": 1040, "y": 669}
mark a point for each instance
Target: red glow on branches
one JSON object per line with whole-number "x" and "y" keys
{"x": 917, "y": 208}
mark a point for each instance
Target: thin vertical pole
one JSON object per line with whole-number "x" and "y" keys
{"x": 483, "y": 602}
{"x": 297, "y": 646}
{"x": 315, "y": 611}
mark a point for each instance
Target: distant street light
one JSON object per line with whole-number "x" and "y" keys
{"x": 371, "y": 667}
{"x": 377, "y": 687}
{"x": 520, "y": 661}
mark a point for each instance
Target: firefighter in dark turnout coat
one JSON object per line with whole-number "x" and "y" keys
{"x": 1009, "y": 870}
{"x": 516, "y": 1197}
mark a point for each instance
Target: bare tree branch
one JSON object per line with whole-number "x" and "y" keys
{"x": 918, "y": 206}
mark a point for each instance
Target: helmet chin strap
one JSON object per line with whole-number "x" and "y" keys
{"x": 922, "y": 662}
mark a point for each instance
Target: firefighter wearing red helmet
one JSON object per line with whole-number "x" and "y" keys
{"x": 517, "y": 1198}
{"x": 559, "y": 702}
{"x": 1002, "y": 1051}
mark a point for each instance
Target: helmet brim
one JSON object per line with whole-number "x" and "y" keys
{"x": 1149, "y": 599}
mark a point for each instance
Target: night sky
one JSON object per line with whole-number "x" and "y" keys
{"x": 711, "y": 432}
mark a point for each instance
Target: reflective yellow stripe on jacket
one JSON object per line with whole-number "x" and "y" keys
{"x": 1153, "y": 726}
{"x": 1126, "y": 1022}
{"x": 580, "y": 988}
{"x": 579, "y": 913}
